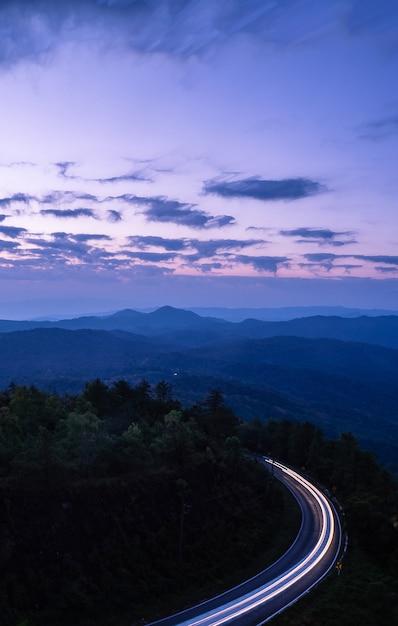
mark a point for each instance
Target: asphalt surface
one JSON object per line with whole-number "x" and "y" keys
{"x": 304, "y": 564}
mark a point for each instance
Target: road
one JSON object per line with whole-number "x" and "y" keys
{"x": 306, "y": 562}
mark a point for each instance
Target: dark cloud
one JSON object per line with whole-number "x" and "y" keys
{"x": 143, "y": 242}
{"x": 335, "y": 243}
{"x": 122, "y": 178}
{"x": 329, "y": 258}
{"x": 386, "y": 270}
{"x": 320, "y": 257}
{"x": 313, "y": 233}
{"x": 64, "y": 249}
{"x": 379, "y": 129}
{"x": 204, "y": 249}
{"x": 12, "y": 231}
{"x": 94, "y": 237}
{"x": 220, "y": 220}
{"x": 209, "y": 267}
{"x": 69, "y": 213}
{"x": 113, "y": 216}
{"x": 263, "y": 263}
{"x": 16, "y": 197}
{"x": 68, "y": 197}
{"x": 33, "y": 29}
{"x": 8, "y": 245}
{"x": 153, "y": 257}
{"x": 265, "y": 190}
{"x": 348, "y": 266}
{"x": 328, "y": 265}
{"x": 3, "y": 217}
{"x": 63, "y": 167}
{"x": 128, "y": 198}
{"x": 213, "y": 246}
{"x": 161, "y": 209}
{"x": 320, "y": 236}
{"x": 386, "y": 259}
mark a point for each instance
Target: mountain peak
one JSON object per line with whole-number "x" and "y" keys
{"x": 169, "y": 313}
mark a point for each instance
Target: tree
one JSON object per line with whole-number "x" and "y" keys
{"x": 97, "y": 393}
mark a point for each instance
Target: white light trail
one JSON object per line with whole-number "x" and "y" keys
{"x": 232, "y": 610}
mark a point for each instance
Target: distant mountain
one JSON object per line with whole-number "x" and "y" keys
{"x": 381, "y": 330}
{"x": 286, "y": 313}
{"x": 161, "y": 320}
{"x": 64, "y": 360}
{"x": 339, "y": 385}
{"x": 181, "y": 327}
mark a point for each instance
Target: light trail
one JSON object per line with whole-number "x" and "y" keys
{"x": 235, "y": 609}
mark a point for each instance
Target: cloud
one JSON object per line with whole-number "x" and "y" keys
{"x": 65, "y": 249}
{"x": 16, "y": 197}
{"x": 153, "y": 257}
{"x": 12, "y": 231}
{"x": 69, "y": 213}
{"x": 208, "y": 249}
{"x": 33, "y": 29}
{"x": 144, "y": 242}
{"x": 161, "y": 209}
{"x": 66, "y": 196}
{"x": 93, "y": 237}
{"x": 386, "y": 270}
{"x": 113, "y": 216}
{"x": 213, "y": 246}
{"x": 209, "y": 267}
{"x": 320, "y": 236}
{"x": 329, "y": 258}
{"x": 8, "y": 245}
{"x": 3, "y": 217}
{"x": 379, "y": 258}
{"x": 122, "y": 178}
{"x": 379, "y": 129}
{"x": 64, "y": 166}
{"x": 263, "y": 263}
{"x": 265, "y": 190}
{"x": 320, "y": 257}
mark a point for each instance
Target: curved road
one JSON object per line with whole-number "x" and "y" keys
{"x": 308, "y": 560}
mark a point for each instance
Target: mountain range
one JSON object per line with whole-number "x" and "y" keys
{"x": 340, "y": 373}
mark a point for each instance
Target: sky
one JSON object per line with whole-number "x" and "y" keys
{"x": 197, "y": 153}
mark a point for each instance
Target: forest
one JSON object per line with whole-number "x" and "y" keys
{"x": 118, "y": 504}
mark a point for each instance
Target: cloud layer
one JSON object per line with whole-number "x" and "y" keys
{"x": 33, "y": 29}
{"x": 265, "y": 190}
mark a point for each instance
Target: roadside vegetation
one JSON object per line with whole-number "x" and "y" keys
{"x": 118, "y": 504}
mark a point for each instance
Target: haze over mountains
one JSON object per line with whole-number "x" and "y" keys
{"x": 340, "y": 373}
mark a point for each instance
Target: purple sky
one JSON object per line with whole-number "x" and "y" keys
{"x": 198, "y": 153}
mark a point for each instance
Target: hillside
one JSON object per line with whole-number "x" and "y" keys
{"x": 118, "y": 503}
{"x": 339, "y": 385}
{"x": 168, "y": 324}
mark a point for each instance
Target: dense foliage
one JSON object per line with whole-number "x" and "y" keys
{"x": 115, "y": 498}
{"x": 366, "y": 591}
{"x": 117, "y": 503}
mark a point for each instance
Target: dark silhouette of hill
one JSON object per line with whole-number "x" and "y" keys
{"x": 274, "y": 314}
{"x": 339, "y": 385}
{"x": 183, "y": 327}
{"x": 381, "y": 330}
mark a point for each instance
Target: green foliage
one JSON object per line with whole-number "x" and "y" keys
{"x": 118, "y": 499}
{"x": 366, "y": 592}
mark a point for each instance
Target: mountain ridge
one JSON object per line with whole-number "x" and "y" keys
{"x": 382, "y": 330}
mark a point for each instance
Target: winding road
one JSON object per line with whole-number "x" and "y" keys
{"x": 311, "y": 556}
